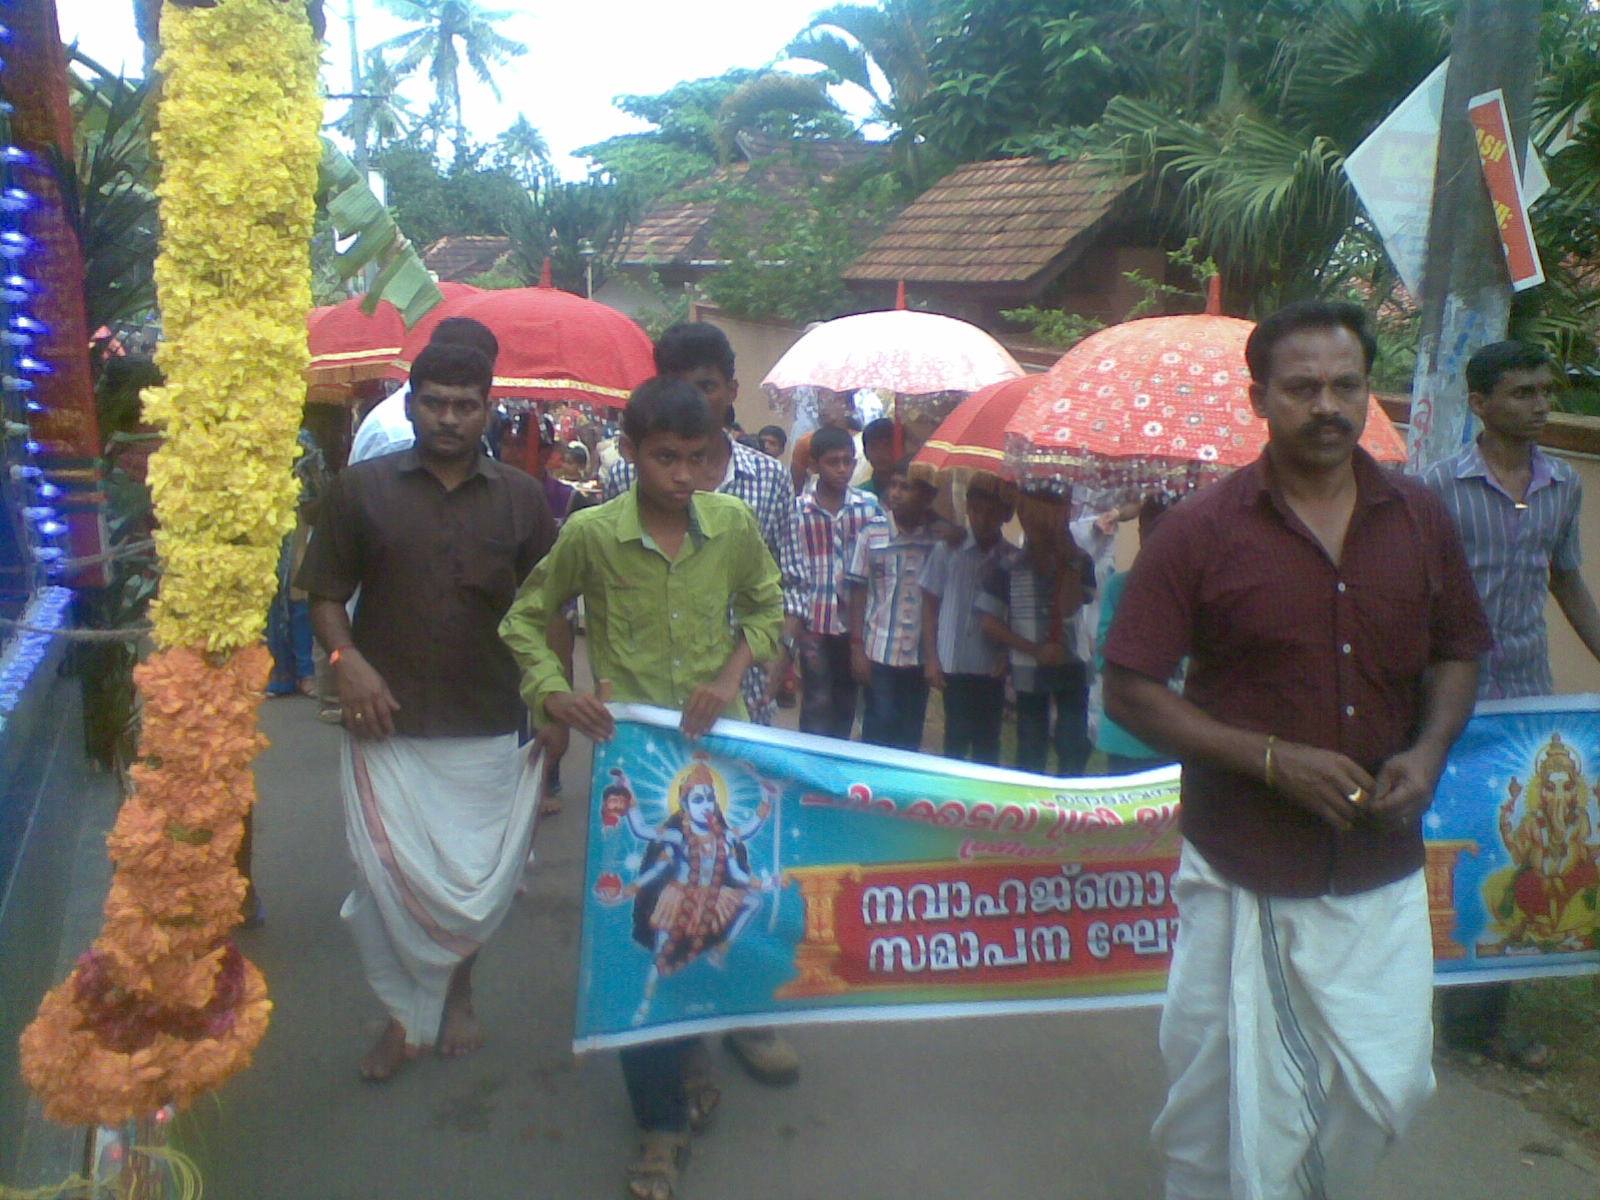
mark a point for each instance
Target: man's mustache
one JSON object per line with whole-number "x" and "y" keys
{"x": 1336, "y": 423}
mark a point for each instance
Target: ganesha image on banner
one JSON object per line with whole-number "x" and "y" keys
{"x": 695, "y": 891}
{"x": 1545, "y": 900}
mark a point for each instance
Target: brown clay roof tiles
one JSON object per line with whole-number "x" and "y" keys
{"x": 1003, "y": 222}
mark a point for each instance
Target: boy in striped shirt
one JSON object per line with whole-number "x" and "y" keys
{"x": 885, "y": 611}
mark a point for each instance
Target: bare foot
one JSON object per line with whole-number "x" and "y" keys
{"x": 459, "y": 1034}
{"x": 388, "y": 1054}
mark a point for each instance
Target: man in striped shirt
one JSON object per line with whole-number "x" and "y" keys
{"x": 1517, "y": 509}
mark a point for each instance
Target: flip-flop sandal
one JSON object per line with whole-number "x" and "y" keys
{"x": 653, "y": 1175}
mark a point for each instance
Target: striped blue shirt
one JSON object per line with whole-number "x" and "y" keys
{"x": 1512, "y": 546}
{"x": 888, "y": 562}
{"x": 955, "y": 575}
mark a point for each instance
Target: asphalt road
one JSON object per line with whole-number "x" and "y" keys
{"x": 1023, "y": 1108}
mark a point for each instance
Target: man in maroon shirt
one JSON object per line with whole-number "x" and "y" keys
{"x": 1332, "y": 632}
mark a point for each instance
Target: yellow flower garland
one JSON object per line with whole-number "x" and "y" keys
{"x": 163, "y": 1008}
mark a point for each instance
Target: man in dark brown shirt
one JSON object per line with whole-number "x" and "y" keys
{"x": 437, "y": 538}
{"x": 1332, "y": 632}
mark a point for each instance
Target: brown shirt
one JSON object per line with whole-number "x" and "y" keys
{"x": 1282, "y": 640}
{"x": 437, "y": 570}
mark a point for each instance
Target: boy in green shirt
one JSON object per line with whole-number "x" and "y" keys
{"x": 659, "y": 568}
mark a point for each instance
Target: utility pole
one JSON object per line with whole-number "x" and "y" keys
{"x": 1466, "y": 291}
{"x": 360, "y": 130}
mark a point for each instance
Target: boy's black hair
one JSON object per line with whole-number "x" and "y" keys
{"x": 453, "y": 365}
{"x": 464, "y": 331}
{"x": 750, "y": 442}
{"x": 1299, "y": 316}
{"x": 1486, "y": 366}
{"x": 880, "y": 430}
{"x": 691, "y": 344}
{"x": 902, "y": 466}
{"x": 666, "y": 405}
{"x": 776, "y": 431}
{"x": 830, "y": 438}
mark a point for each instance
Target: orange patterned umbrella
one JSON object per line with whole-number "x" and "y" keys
{"x": 972, "y": 438}
{"x": 1163, "y": 401}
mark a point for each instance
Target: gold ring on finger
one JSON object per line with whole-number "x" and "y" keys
{"x": 1355, "y": 796}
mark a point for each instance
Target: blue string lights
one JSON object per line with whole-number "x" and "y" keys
{"x": 37, "y": 499}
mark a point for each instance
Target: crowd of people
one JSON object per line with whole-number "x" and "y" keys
{"x": 1324, "y": 676}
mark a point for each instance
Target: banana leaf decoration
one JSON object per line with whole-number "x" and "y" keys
{"x": 351, "y": 205}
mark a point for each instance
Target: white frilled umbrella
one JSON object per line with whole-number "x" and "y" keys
{"x": 925, "y": 362}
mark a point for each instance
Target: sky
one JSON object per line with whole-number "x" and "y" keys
{"x": 579, "y": 56}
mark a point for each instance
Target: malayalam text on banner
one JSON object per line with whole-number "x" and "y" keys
{"x": 762, "y": 877}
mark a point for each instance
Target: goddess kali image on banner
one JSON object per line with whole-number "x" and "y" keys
{"x": 695, "y": 892}
{"x": 1545, "y": 900}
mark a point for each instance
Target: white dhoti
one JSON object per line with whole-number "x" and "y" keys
{"x": 1297, "y": 1034}
{"x": 439, "y": 830}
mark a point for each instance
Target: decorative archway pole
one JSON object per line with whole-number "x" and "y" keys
{"x": 164, "y": 1008}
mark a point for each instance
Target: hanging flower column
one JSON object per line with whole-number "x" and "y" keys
{"x": 164, "y": 1008}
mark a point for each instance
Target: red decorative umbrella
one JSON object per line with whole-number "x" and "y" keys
{"x": 1163, "y": 401}
{"x": 554, "y": 346}
{"x": 972, "y": 438}
{"x": 420, "y": 334}
{"x": 348, "y": 346}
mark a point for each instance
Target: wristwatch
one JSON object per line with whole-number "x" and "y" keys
{"x": 787, "y": 642}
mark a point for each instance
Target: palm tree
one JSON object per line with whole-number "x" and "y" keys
{"x": 523, "y": 150}
{"x": 440, "y": 25}
{"x": 863, "y": 44}
{"x": 777, "y": 102}
{"x": 1256, "y": 173}
{"x": 379, "y": 112}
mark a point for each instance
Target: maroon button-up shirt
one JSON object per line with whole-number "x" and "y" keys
{"x": 1282, "y": 640}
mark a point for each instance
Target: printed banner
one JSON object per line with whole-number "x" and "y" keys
{"x": 1493, "y": 128}
{"x": 761, "y": 877}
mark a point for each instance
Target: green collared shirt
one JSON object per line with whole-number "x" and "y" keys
{"x": 658, "y": 628}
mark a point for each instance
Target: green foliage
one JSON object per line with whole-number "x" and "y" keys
{"x": 859, "y": 44}
{"x": 522, "y": 150}
{"x": 445, "y": 32}
{"x": 1053, "y": 326}
{"x": 430, "y": 203}
{"x": 775, "y": 102}
{"x": 786, "y": 255}
{"x": 665, "y": 308}
{"x": 1258, "y": 176}
{"x": 380, "y": 247}
{"x": 379, "y": 115}
{"x": 697, "y": 120}
{"x": 1009, "y": 76}
{"x": 110, "y": 194}
{"x": 564, "y": 220}
{"x": 1157, "y": 298}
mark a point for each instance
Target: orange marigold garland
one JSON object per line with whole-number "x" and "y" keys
{"x": 163, "y": 1007}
